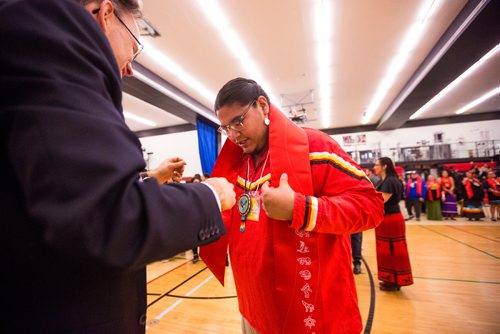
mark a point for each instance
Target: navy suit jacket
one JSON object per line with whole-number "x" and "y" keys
{"x": 77, "y": 226}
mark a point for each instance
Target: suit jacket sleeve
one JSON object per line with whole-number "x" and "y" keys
{"x": 75, "y": 161}
{"x": 345, "y": 200}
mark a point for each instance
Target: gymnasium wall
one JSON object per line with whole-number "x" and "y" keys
{"x": 420, "y": 136}
{"x": 185, "y": 144}
{"x": 181, "y": 144}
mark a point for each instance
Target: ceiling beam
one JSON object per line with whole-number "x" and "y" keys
{"x": 465, "y": 118}
{"x": 165, "y": 130}
{"x": 176, "y": 102}
{"x": 350, "y": 129}
{"x": 472, "y": 34}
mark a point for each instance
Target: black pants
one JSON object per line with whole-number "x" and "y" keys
{"x": 418, "y": 207}
{"x": 356, "y": 241}
{"x": 408, "y": 207}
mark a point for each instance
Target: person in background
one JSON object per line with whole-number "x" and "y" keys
{"x": 288, "y": 240}
{"x": 459, "y": 190}
{"x": 415, "y": 193}
{"x": 483, "y": 172}
{"x": 474, "y": 196}
{"x": 406, "y": 198}
{"x": 393, "y": 260}
{"x": 433, "y": 201}
{"x": 79, "y": 223}
{"x": 196, "y": 257}
{"x": 356, "y": 245}
{"x": 449, "y": 202}
{"x": 403, "y": 197}
{"x": 483, "y": 177}
{"x": 492, "y": 188}
{"x": 357, "y": 238}
{"x": 196, "y": 178}
{"x": 374, "y": 179}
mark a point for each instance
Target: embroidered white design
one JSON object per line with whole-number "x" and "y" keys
{"x": 302, "y": 233}
{"x": 303, "y": 248}
{"x": 304, "y": 261}
{"x": 309, "y": 307}
{"x": 310, "y": 322}
{"x": 305, "y": 274}
{"x": 306, "y": 289}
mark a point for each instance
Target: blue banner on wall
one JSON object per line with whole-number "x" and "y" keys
{"x": 207, "y": 145}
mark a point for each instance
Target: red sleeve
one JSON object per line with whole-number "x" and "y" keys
{"x": 345, "y": 201}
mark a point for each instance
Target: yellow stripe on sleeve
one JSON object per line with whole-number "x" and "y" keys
{"x": 313, "y": 214}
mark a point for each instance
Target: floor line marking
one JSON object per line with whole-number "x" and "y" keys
{"x": 451, "y": 279}
{"x": 174, "y": 305}
{"x": 461, "y": 242}
{"x": 154, "y": 279}
{"x": 478, "y": 235}
{"x": 455, "y": 280}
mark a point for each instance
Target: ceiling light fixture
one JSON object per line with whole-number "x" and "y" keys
{"x": 168, "y": 64}
{"x": 139, "y": 119}
{"x": 217, "y": 17}
{"x": 174, "y": 96}
{"x": 478, "y": 101}
{"x": 322, "y": 13}
{"x": 406, "y": 48}
{"x": 456, "y": 82}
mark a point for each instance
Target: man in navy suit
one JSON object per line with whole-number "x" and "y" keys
{"x": 78, "y": 225}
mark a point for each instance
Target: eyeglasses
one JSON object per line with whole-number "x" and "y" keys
{"x": 140, "y": 47}
{"x": 236, "y": 124}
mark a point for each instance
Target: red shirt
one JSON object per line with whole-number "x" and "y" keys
{"x": 296, "y": 277}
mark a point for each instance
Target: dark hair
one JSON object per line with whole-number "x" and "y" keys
{"x": 129, "y": 6}
{"x": 240, "y": 90}
{"x": 196, "y": 177}
{"x": 390, "y": 170}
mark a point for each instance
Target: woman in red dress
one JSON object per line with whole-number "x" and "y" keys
{"x": 393, "y": 261}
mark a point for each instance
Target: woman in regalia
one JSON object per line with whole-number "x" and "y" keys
{"x": 433, "y": 202}
{"x": 474, "y": 196}
{"x": 492, "y": 187}
{"x": 393, "y": 261}
{"x": 449, "y": 201}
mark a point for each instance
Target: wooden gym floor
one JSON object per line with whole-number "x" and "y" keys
{"x": 456, "y": 273}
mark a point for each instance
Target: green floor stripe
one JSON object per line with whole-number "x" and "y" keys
{"x": 451, "y": 280}
{"x": 461, "y": 242}
{"x": 455, "y": 280}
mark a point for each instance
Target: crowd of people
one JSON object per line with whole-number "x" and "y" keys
{"x": 474, "y": 194}
{"x": 450, "y": 194}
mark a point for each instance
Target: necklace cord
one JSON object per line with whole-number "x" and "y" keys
{"x": 248, "y": 174}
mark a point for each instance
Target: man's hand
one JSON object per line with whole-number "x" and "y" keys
{"x": 278, "y": 202}
{"x": 167, "y": 169}
{"x": 225, "y": 190}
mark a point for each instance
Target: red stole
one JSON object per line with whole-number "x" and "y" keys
{"x": 288, "y": 153}
{"x": 493, "y": 184}
{"x": 429, "y": 191}
{"x": 419, "y": 186}
{"x": 468, "y": 187}
{"x": 446, "y": 182}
